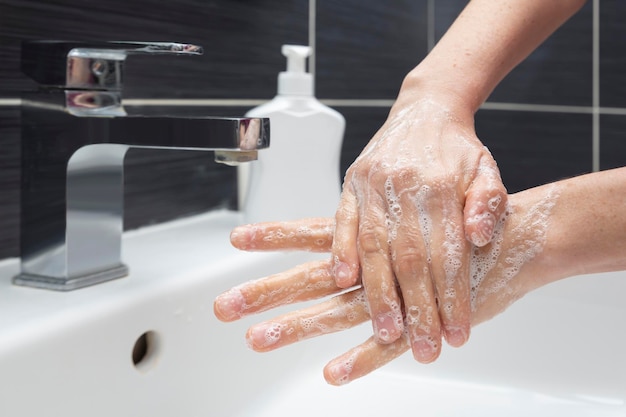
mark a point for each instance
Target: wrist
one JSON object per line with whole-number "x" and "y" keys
{"x": 588, "y": 235}
{"x": 585, "y": 227}
{"x": 538, "y": 212}
{"x": 420, "y": 85}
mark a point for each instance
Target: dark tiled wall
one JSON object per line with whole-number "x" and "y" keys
{"x": 538, "y": 122}
{"x": 613, "y": 53}
{"x": 365, "y": 48}
{"x": 613, "y": 83}
{"x": 241, "y": 39}
{"x": 9, "y": 181}
{"x": 534, "y": 147}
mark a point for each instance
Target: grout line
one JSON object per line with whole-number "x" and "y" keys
{"x": 430, "y": 32}
{"x": 595, "y": 136}
{"x": 357, "y": 102}
{"x": 312, "y": 40}
{"x": 363, "y": 103}
{"x": 613, "y": 111}
{"x": 547, "y": 108}
{"x": 195, "y": 102}
{"x": 10, "y": 102}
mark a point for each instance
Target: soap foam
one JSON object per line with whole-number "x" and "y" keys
{"x": 273, "y": 334}
{"x": 483, "y": 261}
{"x": 303, "y": 237}
{"x": 347, "y": 365}
{"x": 394, "y": 214}
{"x": 527, "y": 240}
{"x": 494, "y": 202}
{"x": 453, "y": 251}
{"x": 393, "y": 317}
{"x": 253, "y": 296}
{"x": 419, "y": 198}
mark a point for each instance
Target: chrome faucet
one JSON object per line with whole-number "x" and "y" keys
{"x": 75, "y": 134}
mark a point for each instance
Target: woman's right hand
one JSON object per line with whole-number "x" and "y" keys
{"x": 425, "y": 181}
{"x": 413, "y": 203}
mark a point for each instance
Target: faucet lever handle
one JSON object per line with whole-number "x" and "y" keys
{"x": 89, "y": 65}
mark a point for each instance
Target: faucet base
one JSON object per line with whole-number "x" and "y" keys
{"x": 70, "y": 283}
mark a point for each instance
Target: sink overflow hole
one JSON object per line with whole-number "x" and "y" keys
{"x": 145, "y": 351}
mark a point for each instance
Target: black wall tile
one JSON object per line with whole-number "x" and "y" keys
{"x": 534, "y": 148}
{"x": 361, "y": 124}
{"x": 557, "y": 72}
{"x": 612, "y": 53}
{"x": 241, "y": 39}
{"x": 9, "y": 181}
{"x": 365, "y": 48}
{"x": 612, "y": 141}
{"x": 164, "y": 185}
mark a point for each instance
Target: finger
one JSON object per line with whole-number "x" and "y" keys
{"x": 485, "y": 203}
{"x": 305, "y": 282}
{"x": 344, "y": 249}
{"x": 376, "y": 272}
{"x": 410, "y": 233}
{"x": 362, "y": 360}
{"x": 450, "y": 267}
{"x": 313, "y": 235}
{"x": 338, "y": 313}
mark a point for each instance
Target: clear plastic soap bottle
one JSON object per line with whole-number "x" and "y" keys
{"x": 298, "y": 176}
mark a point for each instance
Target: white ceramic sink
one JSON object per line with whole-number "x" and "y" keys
{"x": 557, "y": 352}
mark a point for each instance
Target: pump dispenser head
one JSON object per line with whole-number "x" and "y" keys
{"x": 295, "y": 81}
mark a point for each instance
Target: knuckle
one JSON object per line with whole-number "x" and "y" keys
{"x": 408, "y": 262}
{"x": 371, "y": 240}
{"x": 403, "y": 175}
{"x": 345, "y": 214}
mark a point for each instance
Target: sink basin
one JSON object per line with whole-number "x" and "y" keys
{"x": 149, "y": 345}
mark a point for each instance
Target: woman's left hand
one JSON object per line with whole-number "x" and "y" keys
{"x": 521, "y": 257}
{"x": 309, "y": 281}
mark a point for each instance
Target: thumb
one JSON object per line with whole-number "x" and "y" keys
{"x": 485, "y": 203}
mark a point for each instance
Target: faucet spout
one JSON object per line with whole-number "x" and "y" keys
{"x": 74, "y": 142}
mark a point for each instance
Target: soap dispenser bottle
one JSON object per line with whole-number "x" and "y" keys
{"x": 298, "y": 175}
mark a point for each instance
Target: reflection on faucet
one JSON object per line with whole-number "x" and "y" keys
{"x": 248, "y": 143}
{"x": 73, "y": 148}
{"x": 249, "y": 134}
{"x": 84, "y": 100}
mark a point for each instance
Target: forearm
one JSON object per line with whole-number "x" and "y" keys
{"x": 567, "y": 228}
{"x": 588, "y": 227}
{"x": 487, "y": 40}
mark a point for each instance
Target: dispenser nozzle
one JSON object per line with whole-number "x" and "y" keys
{"x": 296, "y": 57}
{"x": 295, "y": 81}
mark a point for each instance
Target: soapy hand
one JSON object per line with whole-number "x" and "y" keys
{"x": 422, "y": 191}
{"x": 501, "y": 272}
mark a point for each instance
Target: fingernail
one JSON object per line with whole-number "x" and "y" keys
{"x": 424, "y": 349}
{"x": 456, "y": 337}
{"x": 263, "y": 335}
{"x": 337, "y": 374}
{"x": 483, "y": 225}
{"x": 343, "y": 275}
{"x": 239, "y": 237}
{"x": 228, "y": 306}
{"x": 386, "y": 329}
